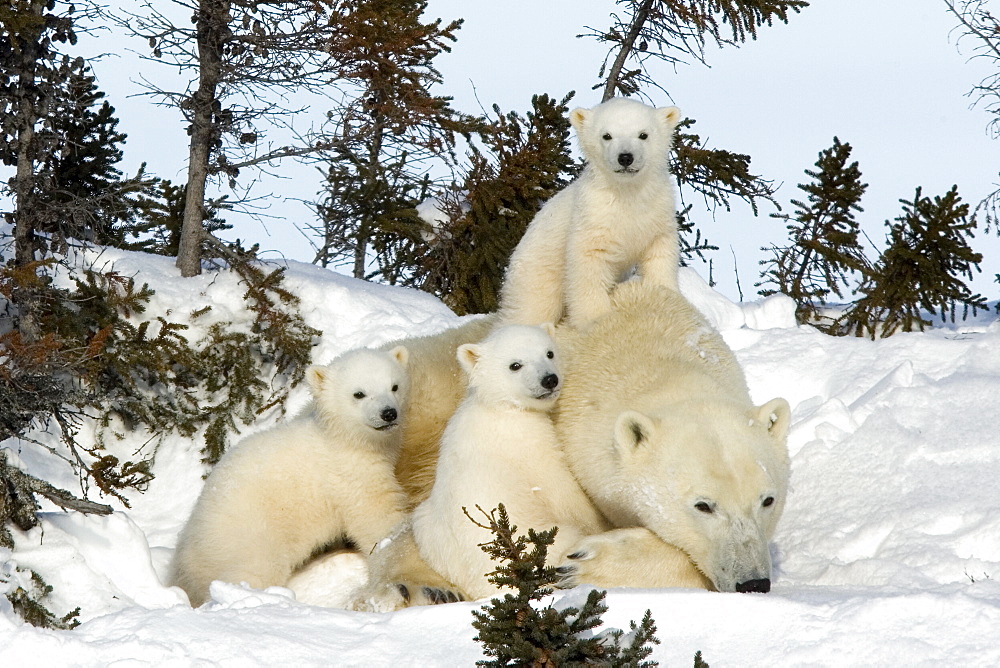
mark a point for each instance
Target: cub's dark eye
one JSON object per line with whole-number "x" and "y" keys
{"x": 550, "y": 354}
{"x": 606, "y": 136}
{"x": 644, "y": 136}
{"x": 704, "y": 507}
{"x": 768, "y": 502}
{"x": 395, "y": 388}
{"x": 515, "y": 366}
{"x": 359, "y": 395}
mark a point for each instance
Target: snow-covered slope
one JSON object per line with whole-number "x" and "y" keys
{"x": 885, "y": 555}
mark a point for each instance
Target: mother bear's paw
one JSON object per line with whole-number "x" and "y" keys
{"x": 634, "y": 557}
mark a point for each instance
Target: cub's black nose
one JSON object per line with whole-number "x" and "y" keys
{"x": 625, "y": 159}
{"x": 761, "y": 586}
{"x": 550, "y": 382}
{"x": 389, "y": 414}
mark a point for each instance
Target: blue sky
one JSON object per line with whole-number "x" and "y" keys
{"x": 888, "y": 77}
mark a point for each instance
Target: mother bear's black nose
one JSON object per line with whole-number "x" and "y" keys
{"x": 550, "y": 381}
{"x": 761, "y": 586}
{"x": 389, "y": 414}
{"x": 625, "y": 159}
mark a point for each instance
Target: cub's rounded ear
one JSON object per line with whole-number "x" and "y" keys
{"x": 468, "y": 355}
{"x": 578, "y": 117}
{"x": 549, "y": 329}
{"x": 632, "y": 431}
{"x": 316, "y": 375}
{"x": 776, "y": 415}
{"x": 672, "y": 115}
{"x": 401, "y": 354}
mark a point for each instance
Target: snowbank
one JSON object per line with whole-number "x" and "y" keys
{"x": 885, "y": 555}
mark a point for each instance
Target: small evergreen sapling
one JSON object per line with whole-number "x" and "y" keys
{"x": 921, "y": 270}
{"x": 825, "y": 245}
{"x": 516, "y": 633}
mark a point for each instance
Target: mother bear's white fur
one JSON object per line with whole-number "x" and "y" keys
{"x": 658, "y": 427}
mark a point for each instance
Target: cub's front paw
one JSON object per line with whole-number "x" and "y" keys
{"x": 399, "y": 595}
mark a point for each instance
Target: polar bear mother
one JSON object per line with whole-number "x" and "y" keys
{"x": 658, "y": 427}
{"x": 618, "y": 216}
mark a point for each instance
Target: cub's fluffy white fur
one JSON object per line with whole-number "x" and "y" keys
{"x": 616, "y": 218}
{"x": 323, "y": 479}
{"x": 500, "y": 447}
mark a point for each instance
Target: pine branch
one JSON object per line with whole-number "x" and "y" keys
{"x": 625, "y": 50}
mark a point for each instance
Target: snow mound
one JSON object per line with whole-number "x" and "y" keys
{"x": 885, "y": 556}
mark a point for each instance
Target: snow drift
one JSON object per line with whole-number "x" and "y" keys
{"x": 885, "y": 555}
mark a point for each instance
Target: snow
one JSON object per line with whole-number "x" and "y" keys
{"x": 885, "y": 555}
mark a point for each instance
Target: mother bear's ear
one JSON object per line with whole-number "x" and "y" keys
{"x": 468, "y": 355}
{"x": 633, "y": 430}
{"x": 776, "y": 415}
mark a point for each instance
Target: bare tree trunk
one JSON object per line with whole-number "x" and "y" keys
{"x": 25, "y": 208}
{"x": 364, "y": 226}
{"x": 24, "y": 227}
{"x": 611, "y": 87}
{"x": 213, "y": 29}
{"x": 27, "y": 117}
{"x": 189, "y": 245}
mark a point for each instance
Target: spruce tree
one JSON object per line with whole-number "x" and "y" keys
{"x": 825, "y": 245}
{"x": 33, "y": 75}
{"x": 517, "y": 633}
{"x": 368, "y": 212}
{"x": 157, "y": 228}
{"x": 922, "y": 269}
{"x": 390, "y": 131}
{"x": 245, "y": 59}
{"x": 90, "y": 199}
{"x": 977, "y": 22}
{"x": 523, "y": 162}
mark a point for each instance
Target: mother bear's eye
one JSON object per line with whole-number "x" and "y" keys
{"x": 606, "y": 136}
{"x": 515, "y": 366}
{"x": 643, "y": 136}
{"x": 359, "y": 395}
{"x": 550, "y": 354}
{"x": 768, "y": 501}
{"x": 704, "y": 507}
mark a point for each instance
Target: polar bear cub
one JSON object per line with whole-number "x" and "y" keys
{"x": 322, "y": 480}
{"x": 617, "y": 217}
{"x": 500, "y": 447}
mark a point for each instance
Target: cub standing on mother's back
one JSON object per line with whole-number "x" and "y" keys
{"x": 616, "y": 217}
